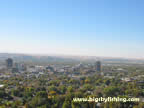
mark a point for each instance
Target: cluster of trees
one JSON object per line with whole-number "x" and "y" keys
{"x": 60, "y": 91}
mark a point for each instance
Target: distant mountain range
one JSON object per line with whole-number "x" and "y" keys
{"x": 51, "y": 58}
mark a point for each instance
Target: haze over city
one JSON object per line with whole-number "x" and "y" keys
{"x": 73, "y": 27}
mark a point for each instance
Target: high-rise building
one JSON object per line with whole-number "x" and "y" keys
{"x": 20, "y": 67}
{"x": 98, "y": 66}
{"x": 23, "y": 67}
{"x": 9, "y": 63}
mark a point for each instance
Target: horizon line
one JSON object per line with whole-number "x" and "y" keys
{"x": 73, "y": 55}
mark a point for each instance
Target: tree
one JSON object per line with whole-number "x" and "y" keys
{"x": 76, "y": 105}
{"x": 40, "y": 99}
{"x": 2, "y": 94}
{"x": 111, "y": 91}
{"x": 70, "y": 89}
{"x": 66, "y": 104}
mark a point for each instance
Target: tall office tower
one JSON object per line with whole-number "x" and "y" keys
{"x": 9, "y": 63}
{"x": 23, "y": 67}
{"x": 98, "y": 66}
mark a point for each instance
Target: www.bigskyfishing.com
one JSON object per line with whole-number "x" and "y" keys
{"x": 108, "y": 99}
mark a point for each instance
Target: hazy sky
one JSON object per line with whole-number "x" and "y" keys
{"x": 73, "y": 27}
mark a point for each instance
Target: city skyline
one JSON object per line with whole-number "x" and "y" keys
{"x": 85, "y": 27}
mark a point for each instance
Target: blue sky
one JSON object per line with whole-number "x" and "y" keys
{"x": 113, "y": 28}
